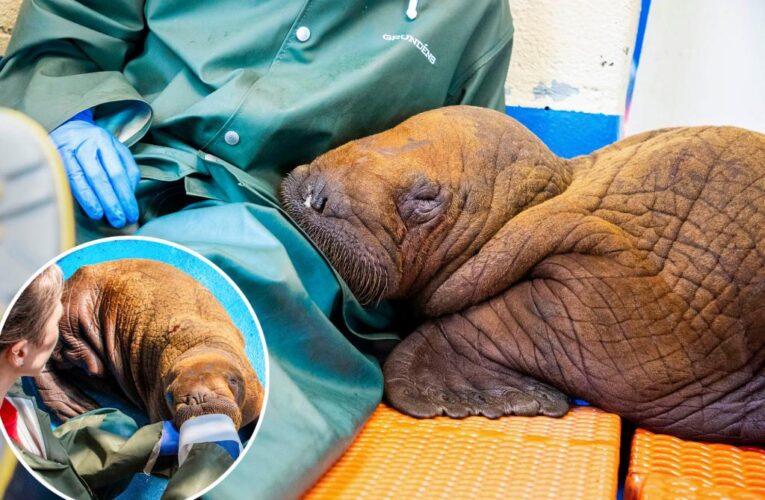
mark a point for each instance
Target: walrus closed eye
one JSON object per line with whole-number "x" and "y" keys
{"x": 160, "y": 335}
{"x": 633, "y": 278}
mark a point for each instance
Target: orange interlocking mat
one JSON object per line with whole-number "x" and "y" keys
{"x": 665, "y": 467}
{"x": 395, "y": 456}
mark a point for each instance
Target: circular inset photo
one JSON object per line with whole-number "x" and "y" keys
{"x": 131, "y": 367}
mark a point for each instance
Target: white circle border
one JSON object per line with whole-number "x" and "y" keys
{"x": 194, "y": 253}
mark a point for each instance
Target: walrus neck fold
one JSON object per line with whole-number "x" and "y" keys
{"x": 524, "y": 176}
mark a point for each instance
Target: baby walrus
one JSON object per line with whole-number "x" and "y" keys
{"x": 159, "y": 334}
{"x": 633, "y": 277}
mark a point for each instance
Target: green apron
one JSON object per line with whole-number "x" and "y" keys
{"x": 219, "y": 100}
{"x": 96, "y": 454}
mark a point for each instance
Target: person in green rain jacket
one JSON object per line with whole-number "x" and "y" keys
{"x": 217, "y": 101}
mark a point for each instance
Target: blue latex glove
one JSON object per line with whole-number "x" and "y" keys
{"x": 168, "y": 444}
{"x": 102, "y": 172}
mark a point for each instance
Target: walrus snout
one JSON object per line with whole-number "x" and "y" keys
{"x": 212, "y": 405}
{"x": 198, "y": 395}
{"x": 307, "y": 189}
{"x": 210, "y": 382}
{"x": 315, "y": 194}
{"x": 203, "y": 399}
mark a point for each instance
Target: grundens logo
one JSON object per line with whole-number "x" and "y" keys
{"x": 422, "y": 47}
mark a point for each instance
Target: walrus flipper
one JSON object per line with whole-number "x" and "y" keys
{"x": 436, "y": 371}
{"x": 60, "y": 396}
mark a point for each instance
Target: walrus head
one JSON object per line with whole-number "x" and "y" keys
{"x": 212, "y": 382}
{"x": 396, "y": 212}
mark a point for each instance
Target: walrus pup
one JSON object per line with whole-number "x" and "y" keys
{"x": 162, "y": 336}
{"x": 633, "y": 277}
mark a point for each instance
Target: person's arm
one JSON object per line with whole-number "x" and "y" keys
{"x": 205, "y": 463}
{"x": 67, "y": 56}
{"x": 64, "y": 69}
{"x": 480, "y": 79}
{"x": 105, "y": 445}
{"x": 486, "y": 86}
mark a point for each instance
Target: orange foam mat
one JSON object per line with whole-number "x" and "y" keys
{"x": 395, "y": 456}
{"x": 665, "y": 467}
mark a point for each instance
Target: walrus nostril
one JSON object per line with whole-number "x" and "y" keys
{"x": 319, "y": 203}
{"x": 316, "y": 197}
{"x": 196, "y": 397}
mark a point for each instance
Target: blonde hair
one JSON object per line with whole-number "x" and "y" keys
{"x": 33, "y": 308}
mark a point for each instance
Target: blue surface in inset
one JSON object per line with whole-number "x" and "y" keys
{"x": 569, "y": 133}
{"x": 143, "y": 486}
{"x": 209, "y": 277}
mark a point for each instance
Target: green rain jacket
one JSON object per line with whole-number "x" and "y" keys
{"x": 96, "y": 454}
{"x": 218, "y": 101}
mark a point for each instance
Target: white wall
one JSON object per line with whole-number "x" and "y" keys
{"x": 8, "y": 11}
{"x": 572, "y": 55}
{"x": 703, "y": 63}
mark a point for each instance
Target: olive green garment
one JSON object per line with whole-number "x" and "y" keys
{"x": 96, "y": 454}
{"x": 56, "y": 469}
{"x": 203, "y": 466}
{"x": 236, "y": 100}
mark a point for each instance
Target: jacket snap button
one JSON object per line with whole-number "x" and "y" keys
{"x": 231, "y": 138}
{"x": 303, "y": 34}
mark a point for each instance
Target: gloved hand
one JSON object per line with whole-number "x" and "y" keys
{"x": 102, "y": 172}
{"x": 168, "y": 444}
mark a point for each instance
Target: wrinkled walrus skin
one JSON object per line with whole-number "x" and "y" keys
{"x": 163, "y": 337}
{"x": 633, "y": 277}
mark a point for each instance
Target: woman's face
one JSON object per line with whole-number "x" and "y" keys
{"x": 38, "y": 354}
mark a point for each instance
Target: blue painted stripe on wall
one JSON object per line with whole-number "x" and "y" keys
{"x": 569, "y": 133}
{"x": 645, "y": 6}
